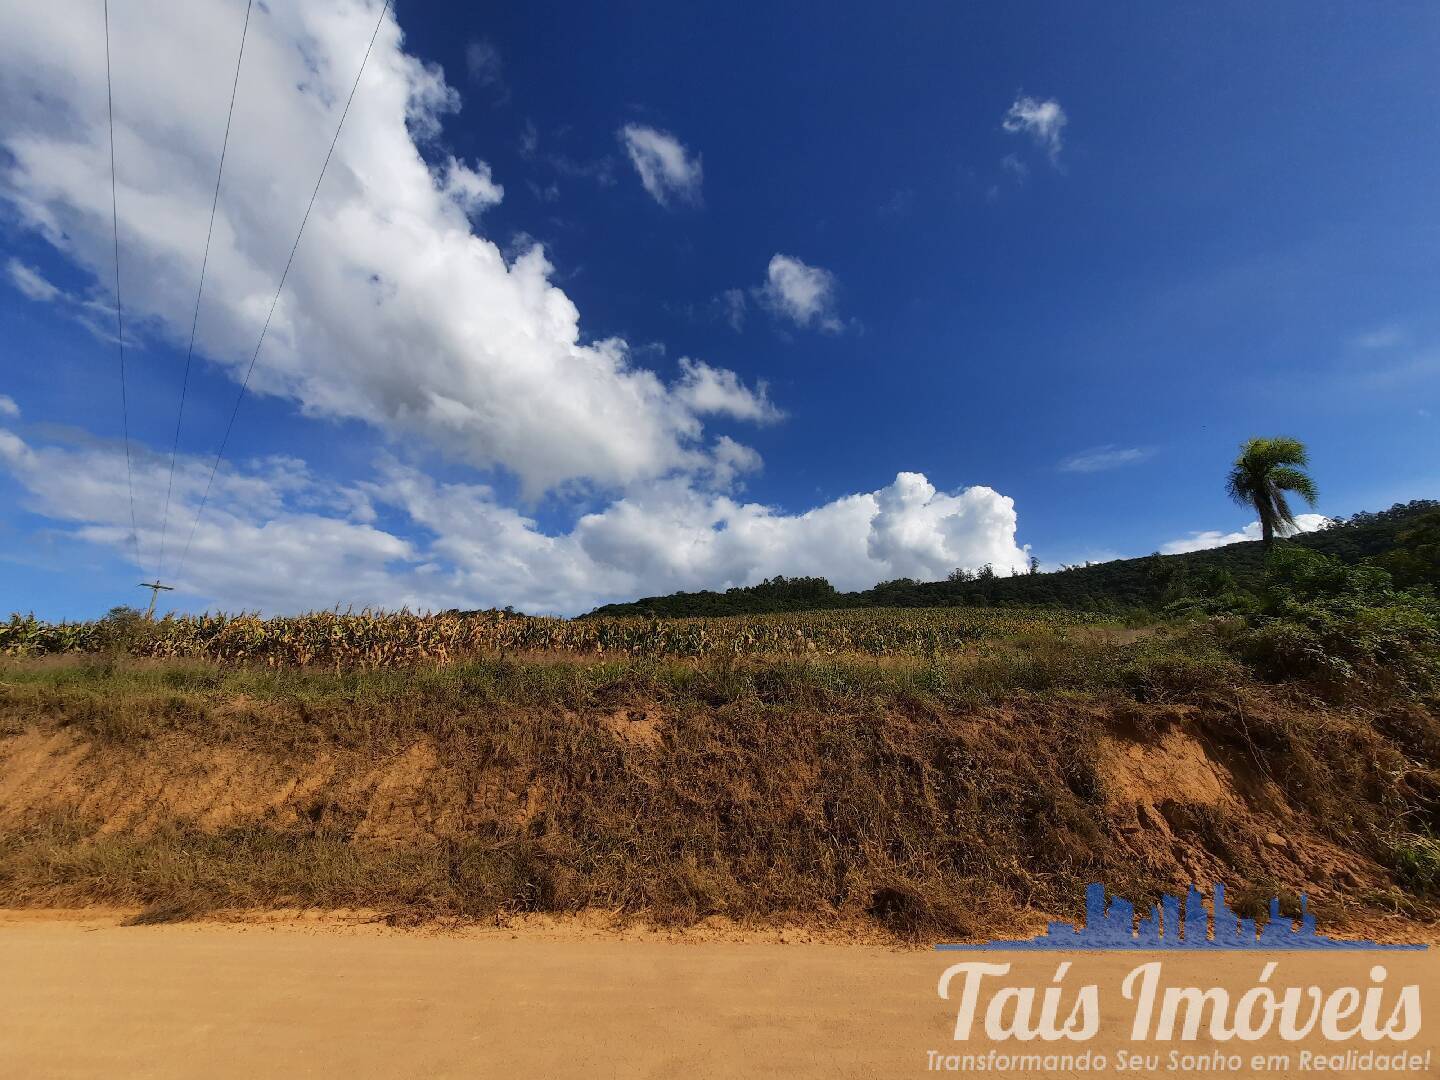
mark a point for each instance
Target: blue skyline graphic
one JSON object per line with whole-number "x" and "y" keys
{"x": 1171, "y": 925}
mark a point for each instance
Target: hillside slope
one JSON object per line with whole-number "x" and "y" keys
{"x": 961, "y": 795}
{"x": 1117, "y": 586}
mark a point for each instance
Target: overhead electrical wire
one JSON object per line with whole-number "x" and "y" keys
{"x": 245, "y": 384}
{"x": 119, "y": 316}
{"x": 200, "y": 291}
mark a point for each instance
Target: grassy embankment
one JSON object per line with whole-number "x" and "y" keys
{"x": 940, "y": 773}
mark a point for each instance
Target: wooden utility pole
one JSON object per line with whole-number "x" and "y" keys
{"x": 154, "y": 587}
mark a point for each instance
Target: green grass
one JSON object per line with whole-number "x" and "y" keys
{"x": 119, "y": 698}
{"x": 1416, "y": 860}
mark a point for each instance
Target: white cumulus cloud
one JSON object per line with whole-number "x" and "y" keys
{"x": 396, "y": 312}
{"x": 399, "y": 314}
{"x": 320, "y": 545}
{"x": 472, "y": 189}
{"x": 706, "y": 390}
{"x": 1213, "y": 538}
{"x": 670, "y": 173}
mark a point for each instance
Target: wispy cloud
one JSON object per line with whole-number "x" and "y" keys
{"x": 899, "y": 204}
{"x": 1380, "y": 337}
{"x": 487, "y": 71}
{"x": 529, "y": 140}
{"x": 95, "y": 315}
{"x": 733, "y": 306}
{"x": 600, "y": 169}
{"x": 1043, "y": 121}
{"x": 1103, "y": 458}
{"x": 800, "y": 293}
{"x": 30, "y": 282}
{"x": 669, "y": 172}
{"x": 1385, "y": 362}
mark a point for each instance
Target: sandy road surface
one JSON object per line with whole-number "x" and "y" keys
{"x": 81, "y": 996}
{"x": 91, "y": 999}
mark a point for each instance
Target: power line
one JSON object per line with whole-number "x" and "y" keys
{"x": 119, "y": 318}
{"x": 245, "y": 385}
{"x": 195, "y": 318}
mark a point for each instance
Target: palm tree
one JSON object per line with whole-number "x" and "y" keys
{"x": 1265, "y": 470}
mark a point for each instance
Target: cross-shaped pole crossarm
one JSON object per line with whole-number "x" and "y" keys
{"x": 155, "y": 588}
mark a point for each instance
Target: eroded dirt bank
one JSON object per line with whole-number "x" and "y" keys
{"x": 925, "y": 820}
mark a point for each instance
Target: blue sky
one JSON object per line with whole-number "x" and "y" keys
{"x": 861, "y": 290}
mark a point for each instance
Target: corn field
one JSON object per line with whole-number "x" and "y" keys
{"x": 385, "y": 639}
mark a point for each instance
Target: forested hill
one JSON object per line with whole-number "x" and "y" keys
{"x": 1403, "y": 539}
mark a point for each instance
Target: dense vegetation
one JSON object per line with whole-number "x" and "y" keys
{"x": 378, "y": 640}
{"x": 1404, "y": 540}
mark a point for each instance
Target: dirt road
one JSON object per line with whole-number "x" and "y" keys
{"x": 90, "y": 999}
{"x": 85, "y": 997}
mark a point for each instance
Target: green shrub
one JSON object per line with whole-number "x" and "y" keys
{"x": 1339, "y": 624}
{"x": 1415, "y": 861}
{"x": 1415, "y": 560}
